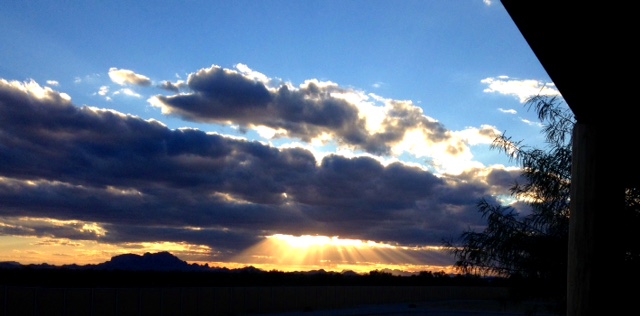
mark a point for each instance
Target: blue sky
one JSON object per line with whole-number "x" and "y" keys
{"x": 213, "y": 129}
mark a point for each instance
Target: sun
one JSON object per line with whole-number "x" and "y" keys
{"x": 332, "y": 253}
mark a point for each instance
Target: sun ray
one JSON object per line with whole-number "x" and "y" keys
{"x": 307, "y": 252}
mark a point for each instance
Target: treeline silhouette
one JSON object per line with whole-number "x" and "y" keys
{"x": 163, "y": 269}
{"x": 77, "y": 277}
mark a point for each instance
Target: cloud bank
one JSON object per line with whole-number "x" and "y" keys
{"x": 317, "y": 112}
{"x": 84, "y": 173}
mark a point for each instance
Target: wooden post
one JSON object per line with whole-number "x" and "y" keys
{"x": 597, "y": 201}
{"x": 580, "y": 253}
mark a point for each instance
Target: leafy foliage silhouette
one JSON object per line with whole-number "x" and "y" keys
{"x": 532, "y": 247}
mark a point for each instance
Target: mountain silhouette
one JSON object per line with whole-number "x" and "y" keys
{"x": 163, "y": 269}
{"x": 161, "y": 261}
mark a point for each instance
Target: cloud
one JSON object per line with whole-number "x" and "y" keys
{"x": 128, "y": 92}
{"x": 313, "y": 112}
{"x": 521, "y": 89}
{"x": 104, "y": 90}
{"x": 476, "y": 136}
{"x": 91, "y": 79}
{"x": 46, "y": 227}
{"x": 508, "y": 111}
{"x": 173, "y": 87}
{"x": 532, "y": 123}
{"x": 85, "y": 173}
{"x": 127, "y": 77}
{"x": 53, "y": 242}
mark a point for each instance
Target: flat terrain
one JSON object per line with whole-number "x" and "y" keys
{"x": 267, "y": 300}
{"x": 440, "y": 308}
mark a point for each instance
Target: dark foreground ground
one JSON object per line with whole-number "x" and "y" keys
{"x": 68, "y": 292}
{"x": 440, "y": 308}
{"x": 265, "y": 300}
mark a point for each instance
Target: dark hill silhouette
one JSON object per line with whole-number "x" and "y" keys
{"x": 161, "y": 261}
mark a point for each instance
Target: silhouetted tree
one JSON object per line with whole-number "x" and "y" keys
{"x": 531, "y": 246}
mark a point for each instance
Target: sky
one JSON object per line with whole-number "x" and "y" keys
{"x": 279, "y": 134}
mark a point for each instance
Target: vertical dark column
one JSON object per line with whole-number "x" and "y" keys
{"x": 597, "y": 201}
{"x": 581, "y": 252}
{"x": 611, "y": 282}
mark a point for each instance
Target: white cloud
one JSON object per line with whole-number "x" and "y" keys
{"x": 92, "y": 79}
{"x": 528, "y": 122}
{"x": 127, "y": 92}
{"x": 268, "y": 132}
{"x": 33, "y": 89}
{"x": 53, "y": 83}
{"x": 486, "y": 134}
{"x": 521, "y": 89}
{"x": 127, "y": 77}
{"x": 104, "y": 90}
{"x": 508, "y": 111}
{"x": 255, "y": 75}
{"x": 452, "y": 156}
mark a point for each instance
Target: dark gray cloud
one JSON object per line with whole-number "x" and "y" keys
{"x": 141, "y": 181}
{"x": 223, "y": 96}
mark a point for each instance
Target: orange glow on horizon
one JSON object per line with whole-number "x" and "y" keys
{"x": 285, "y": 253}
{"x": 63, "y": 251}
{"x": 312, "y": 252}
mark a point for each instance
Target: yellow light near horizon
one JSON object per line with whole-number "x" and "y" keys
{"x": 306, "y": 241}
{"x": 312, "y": 252}
{"x": 277, "y": 252}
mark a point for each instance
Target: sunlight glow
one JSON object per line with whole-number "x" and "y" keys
{"x": 332, "y": 253}
{"x": 306, "y": 241}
